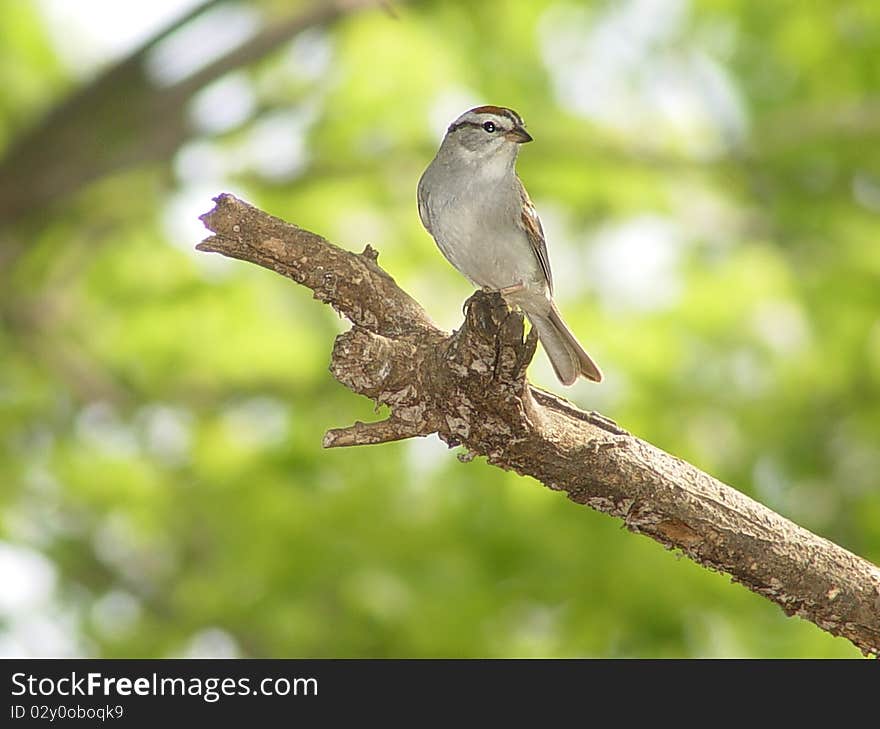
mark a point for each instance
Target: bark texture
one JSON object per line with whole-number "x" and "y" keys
{"x": 470, "y": 388}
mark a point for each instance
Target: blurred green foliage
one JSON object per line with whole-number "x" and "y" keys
{"x": 709, "y": 178}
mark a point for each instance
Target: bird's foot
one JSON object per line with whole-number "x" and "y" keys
{"x": 512, "y": 289}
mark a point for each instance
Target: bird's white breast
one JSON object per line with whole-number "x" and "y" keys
{"x": 475, "y": 224}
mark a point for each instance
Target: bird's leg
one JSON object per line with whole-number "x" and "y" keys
{"x": 512, "y": 289}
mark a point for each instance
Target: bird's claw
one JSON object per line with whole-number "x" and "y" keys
{"x": 512, "y": 289}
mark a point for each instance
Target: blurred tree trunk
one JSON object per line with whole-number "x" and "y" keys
{"x": 125, "y": 118}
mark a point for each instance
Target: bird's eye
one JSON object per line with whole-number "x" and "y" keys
{"x": 489, "y": 126}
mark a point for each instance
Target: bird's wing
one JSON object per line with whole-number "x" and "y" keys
{"x": 423, "y": 207}
{"x": 532, "y": 225}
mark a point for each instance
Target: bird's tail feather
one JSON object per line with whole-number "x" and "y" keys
{"x": 567, "y": 356}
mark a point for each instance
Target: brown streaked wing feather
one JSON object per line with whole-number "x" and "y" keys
{"x": 532, "y": 225}
{"x": 424, "y": 210}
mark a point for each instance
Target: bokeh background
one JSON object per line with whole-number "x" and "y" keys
{"x": 708, "y": 175}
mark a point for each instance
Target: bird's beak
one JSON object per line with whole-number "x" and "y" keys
{"x": 518, "y": 135}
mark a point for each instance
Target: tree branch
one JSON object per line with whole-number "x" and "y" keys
{"x": 470, "y": 388}
{"x": 93, "y": 133}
